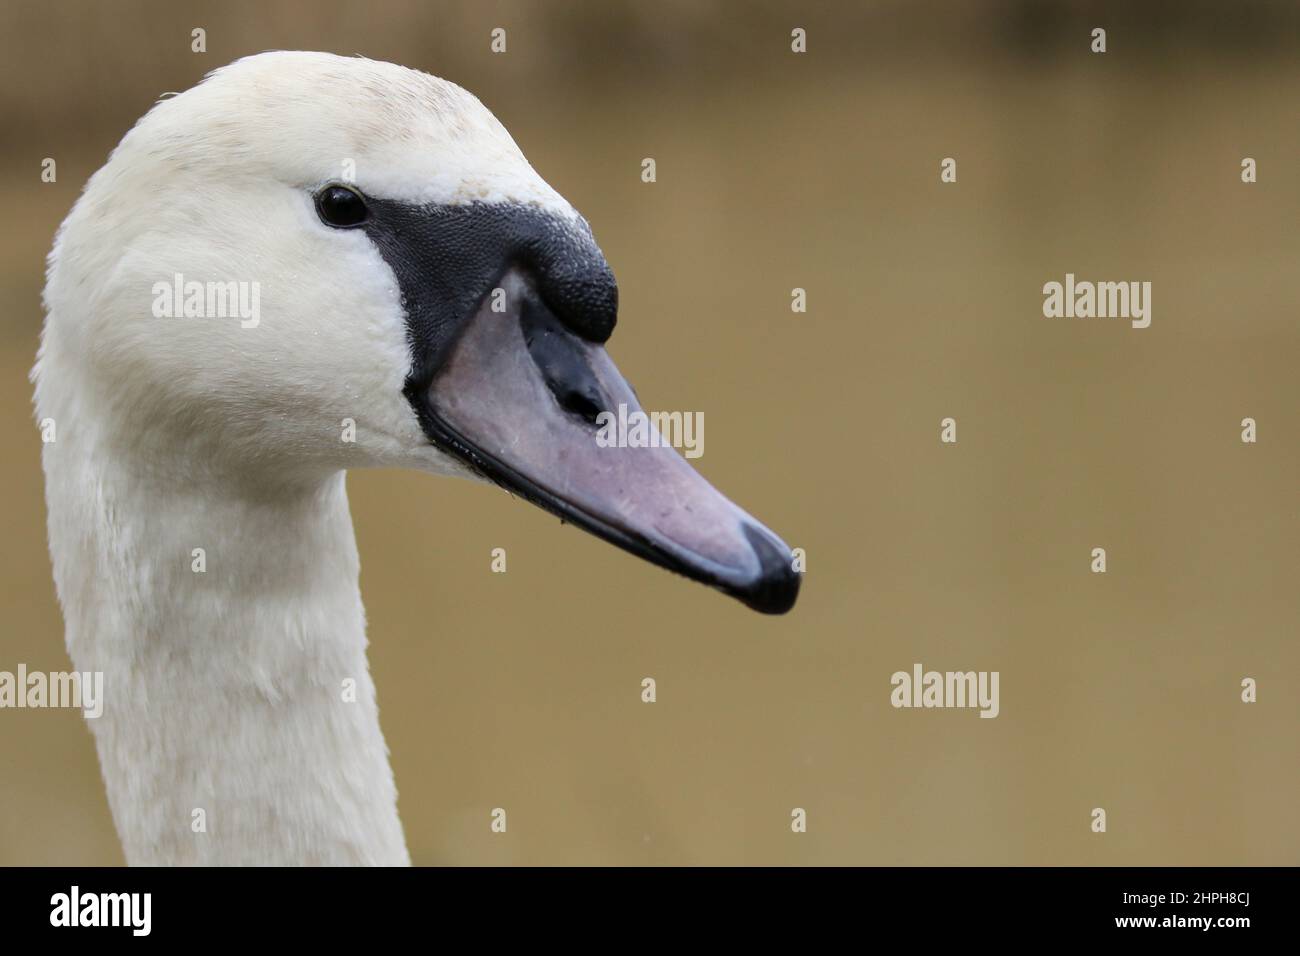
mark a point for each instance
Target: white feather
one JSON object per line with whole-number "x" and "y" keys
{"x": 225, "y": 689}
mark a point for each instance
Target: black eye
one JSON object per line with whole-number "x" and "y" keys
{"x": 340, "y": 206}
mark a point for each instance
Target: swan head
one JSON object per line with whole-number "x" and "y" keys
{"x": 310, "y": 262}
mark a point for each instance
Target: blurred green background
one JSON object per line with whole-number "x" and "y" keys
{"x": 819, "y": 171}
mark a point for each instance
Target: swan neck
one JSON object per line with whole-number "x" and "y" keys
{"x": 240, "y": 723}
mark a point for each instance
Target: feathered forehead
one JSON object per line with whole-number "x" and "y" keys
{"x": 310, "y": 118}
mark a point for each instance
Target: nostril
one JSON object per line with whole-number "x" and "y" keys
{"x": 579, "y": 403}
{"x": 561, "y": 357}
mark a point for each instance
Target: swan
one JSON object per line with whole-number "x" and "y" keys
{"x": 423, "y": 300}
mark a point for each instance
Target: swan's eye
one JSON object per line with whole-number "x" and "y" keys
{"x": 340, "y": 206}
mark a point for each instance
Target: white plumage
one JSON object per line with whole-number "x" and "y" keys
{"x": 203, "y": 551}
{"x": 178, "y": 434}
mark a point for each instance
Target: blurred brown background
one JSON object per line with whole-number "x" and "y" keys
{"x": 819, "y": 171}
